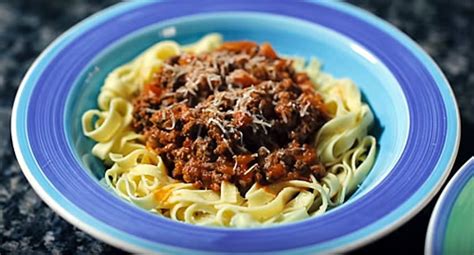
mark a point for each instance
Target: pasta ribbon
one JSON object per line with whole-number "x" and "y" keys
{"x": 208, "y": 43}
{"x": 139, "y": 176}
{"x": 153, "y": 58}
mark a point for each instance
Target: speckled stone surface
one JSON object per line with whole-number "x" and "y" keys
{"x": 445, "y": 29}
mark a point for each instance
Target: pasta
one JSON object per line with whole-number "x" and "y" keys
{"x": 140, "y": 176}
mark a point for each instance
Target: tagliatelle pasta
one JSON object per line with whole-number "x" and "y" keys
{"x": 137, "y": 174}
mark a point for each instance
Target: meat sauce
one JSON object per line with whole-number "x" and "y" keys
{"x": 239, "y": 114}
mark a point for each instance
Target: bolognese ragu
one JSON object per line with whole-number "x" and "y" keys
{"x": 230, "y": 134}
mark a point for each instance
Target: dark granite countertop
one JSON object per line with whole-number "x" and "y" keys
{"x": 445, "y": 29}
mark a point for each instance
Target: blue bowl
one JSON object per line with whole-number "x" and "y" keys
{"x": 417, "y": 123}
{"x": 451, "y": 228}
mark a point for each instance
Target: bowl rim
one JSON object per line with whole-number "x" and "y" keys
{"x": 122, "y": 7}
{"x": 435, "y": 233}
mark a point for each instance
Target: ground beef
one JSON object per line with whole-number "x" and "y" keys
{"x": 240, "y": 114}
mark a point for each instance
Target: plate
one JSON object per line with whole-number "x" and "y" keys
{"x": 451, "y": 228}
{"x": 417, "y": 121}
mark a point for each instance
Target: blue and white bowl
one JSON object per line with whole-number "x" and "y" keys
{"x": 417, "y": 123}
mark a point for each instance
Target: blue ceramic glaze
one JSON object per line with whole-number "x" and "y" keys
{"x": 334, "y": 50}
{"x": 437, "y": 234}
{"x": 417, "y": 125}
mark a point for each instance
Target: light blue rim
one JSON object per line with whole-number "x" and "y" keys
{"x": 436, "y": 233}
{"x": 417, "y": 201}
